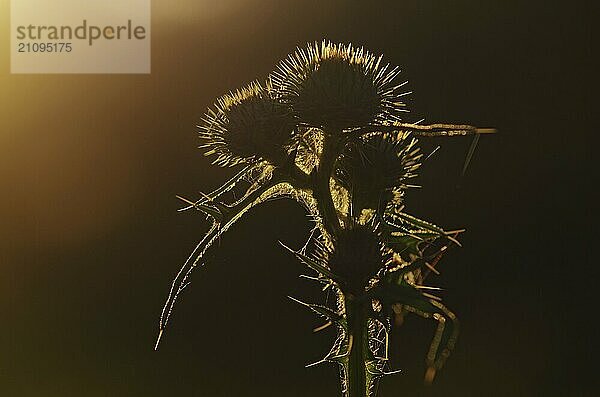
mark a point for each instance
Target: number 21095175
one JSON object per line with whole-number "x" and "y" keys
{"x": 44, "y": 47}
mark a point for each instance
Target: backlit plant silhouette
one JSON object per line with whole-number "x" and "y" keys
{"x": 325, "y": 129}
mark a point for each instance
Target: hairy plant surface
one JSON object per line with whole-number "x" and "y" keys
{"x": 325, "y": 130}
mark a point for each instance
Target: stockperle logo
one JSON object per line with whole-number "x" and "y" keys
{"x": 75, "y": 36}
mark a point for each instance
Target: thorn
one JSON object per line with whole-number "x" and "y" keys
{"x": 326, "y": 286}
{"x": 286, "y": 247}
{"x": 309, "y": 277}
{"x": 380, "y": 358}
{"x": 432, "y": 153}
{"x": 322, "y": 327}
{"x": 470, "y": 153}
{"x": 190, "y": 206}
{"x": 315, "y": 363}
{"x": 158, "y": 339}
{"x": 206, "y": 196}
{"x": 437, "y": 298}
{"x": 299, "y": 301}
{"x": 430, "y": 288}
{"x": 185, "y": 200}
{"x": 457, "y": 231}
{"x": 433, "y": 269}
{"x": 393, "y": 372}
{"x": 454, "y": 240}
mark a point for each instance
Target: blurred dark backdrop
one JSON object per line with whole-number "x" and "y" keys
{"x": 90, "y": 237}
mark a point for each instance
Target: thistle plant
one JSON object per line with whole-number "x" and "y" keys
{"x": 325, "y": 129}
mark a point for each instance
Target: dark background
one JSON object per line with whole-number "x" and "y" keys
{"x": 90, "y": 237}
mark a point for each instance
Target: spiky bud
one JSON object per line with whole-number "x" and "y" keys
{"x": 375, "y": 168}
{"x": 357, "y": 256}
{"x": 248, "y": 125}
{"x": 337, "y": 86}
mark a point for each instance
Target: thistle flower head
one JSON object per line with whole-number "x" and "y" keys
{"x": 248, "y": 125}
{"x": 357, "y": 256}
{"x": 338, "y": 86}
{"x": 374, "y": 169}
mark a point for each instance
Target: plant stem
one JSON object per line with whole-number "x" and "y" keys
{"x": 322, "y": 190}
{"x": 433, "y": 130}
{"x": 356, "y": 369}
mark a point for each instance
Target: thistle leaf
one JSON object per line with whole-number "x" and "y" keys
{"x": 313, "y": 264}
{"x": 416, "y": 222}
{"x": 408, "y": 243}
{"x": 404, "y": 294}
{"x": 322, "y": 310}
{"x": 214, "y": 212}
